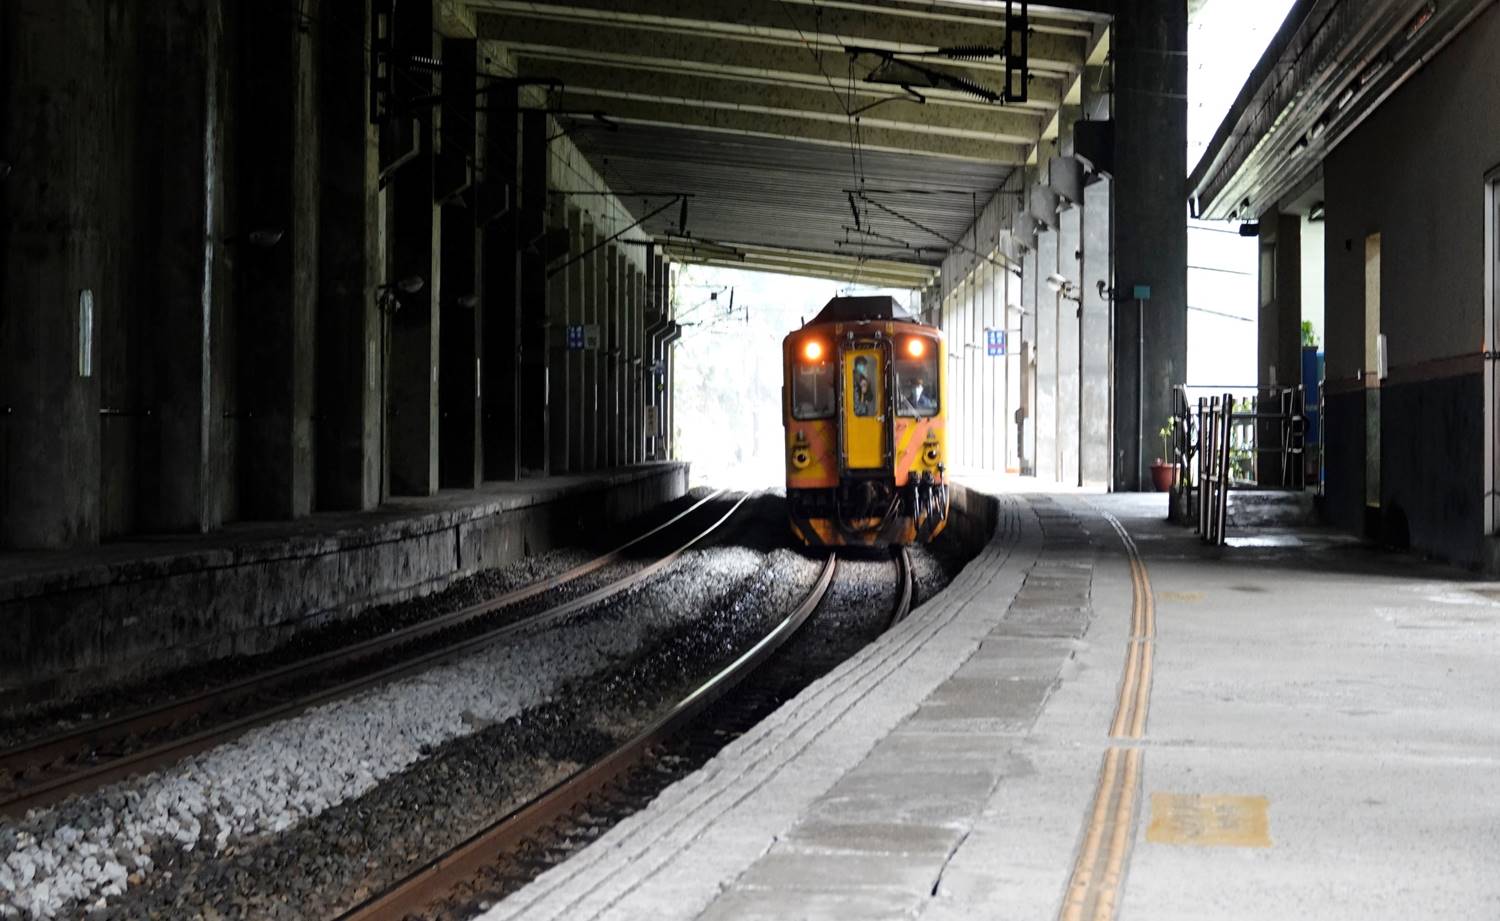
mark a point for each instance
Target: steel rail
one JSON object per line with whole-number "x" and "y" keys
{"x": 85, "y": 738}
{"x": 904, "y": 577}
{"x": 437, "y": 877}
{"x": 15, "y": 803}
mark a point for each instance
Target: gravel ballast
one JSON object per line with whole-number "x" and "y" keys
{"x": 300, "y": 818}
{"x": 87, "y": 848}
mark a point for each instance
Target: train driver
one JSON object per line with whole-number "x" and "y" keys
{"x": 918, "y": 398}
{"x": 864, "y": 394}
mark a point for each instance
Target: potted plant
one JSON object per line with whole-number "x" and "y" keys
{"x": 1164, "y": 472}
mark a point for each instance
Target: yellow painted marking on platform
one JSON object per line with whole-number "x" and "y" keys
{"x": 1120, "y": 837}
{"x": 1095, "y": 886}
{"x": 1135, "y": 681}
{"x": 1209, "y": 821}
{"x": 1180, "y": 597}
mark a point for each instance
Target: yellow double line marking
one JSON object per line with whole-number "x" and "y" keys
{"x": 1099, "y": 870}
{"x": 1135, "y": 685}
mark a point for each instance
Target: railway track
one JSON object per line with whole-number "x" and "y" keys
{"x": 904, "y": 586}
{"x": 434, "y": 880}
{"x": 543, "y": 831}
{"x": 50, "y": 769}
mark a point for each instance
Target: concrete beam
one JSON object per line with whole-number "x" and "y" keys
{"x": 563, "y": 404}
{"x": 460, "y": 444}
{"x": 725, "y": 56}
{"x": 416, "y": 252}
{"x": 902, "y": 112}
{"x": 687, "y": 113}
{"x": 577, "y": 311}
{"x": 349, "y": 269}
{"x": 277, "y": 286}
{"x": 500, "y": 292}
{"x": 824, "y": 26}
{"x": 828, "y": 272}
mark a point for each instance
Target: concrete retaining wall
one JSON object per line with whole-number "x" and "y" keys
{"x": 116, "y": 618}
{"x": 973, "y": 516}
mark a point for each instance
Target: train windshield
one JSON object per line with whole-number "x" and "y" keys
{"x": 812, "y": 390}
{"x": 917, "y": 381}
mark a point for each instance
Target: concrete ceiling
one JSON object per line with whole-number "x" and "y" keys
{"x": 755, "y": 108}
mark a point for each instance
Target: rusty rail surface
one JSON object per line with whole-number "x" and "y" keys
{"x": 903, "y": 586}
{"x": 437, "y": 878}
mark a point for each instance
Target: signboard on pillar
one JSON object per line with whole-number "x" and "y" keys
{"x": 583, "y": 337}
{"x": 652, "y": 425}
{"x": 996, "y": 343}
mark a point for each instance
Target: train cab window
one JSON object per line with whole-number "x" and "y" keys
{"x": 916, "y": 368}
{"x": 862, "y": 394}
{"x": 812, "y": 390}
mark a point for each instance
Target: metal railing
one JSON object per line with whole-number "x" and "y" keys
{"x": 1219, "y": 446}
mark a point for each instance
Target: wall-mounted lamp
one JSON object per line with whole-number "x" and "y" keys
{"x": 260, "y": 238}
{"x": 388, "y": 296}
{"x": 1062, "y": 286}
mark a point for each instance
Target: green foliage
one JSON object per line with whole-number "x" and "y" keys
{"x": 1309, "y": 334}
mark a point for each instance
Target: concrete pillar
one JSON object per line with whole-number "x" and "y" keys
{"x": 349, "y": 261}
{"x": 656, "y": 303}
{"x": 535, "y": 384}
{"x": 617, "y": 359}
{"x": 1069, "y": 355}
{"x": 1279, "y": 331}
{"x": 185, "y": 286}
{"x": 564, "y": 398}
{"x": 1094, "y": 332}
{"x": 459, "y": 355}
{"x": 1150, "y": 243}
{"x": 1046, "y": 359}
{"x": 633, "y": 366}
{"x": 60, "y": 226}
{"x": 500, "y": 292}
{"x": 608, "y": 416}
{"x": 277, "y": 190}
{"x": 1026, "y": 359}
{"x": 578, "y": 296}
{"x": 593, "y": 288}
{"x": 416, "y": 245}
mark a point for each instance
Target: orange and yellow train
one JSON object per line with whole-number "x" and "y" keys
{"x": 863, "y": 403}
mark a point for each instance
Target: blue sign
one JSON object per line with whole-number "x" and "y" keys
{"x": 996, "y": 343}
{"x": 575, "y": 338}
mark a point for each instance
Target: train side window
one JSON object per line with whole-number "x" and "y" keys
{"x": 916, "y": 385}
{"x": 812, "y": 390}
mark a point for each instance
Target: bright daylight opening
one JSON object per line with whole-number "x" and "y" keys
{"x": 727, "y": 420}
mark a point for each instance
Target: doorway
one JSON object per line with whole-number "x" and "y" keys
{"x": 1491, "y": 348}
{"x": 1374, "y": 367}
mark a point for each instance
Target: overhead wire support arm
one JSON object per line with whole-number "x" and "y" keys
{"x": 956, "y": 244}
{"x": 616, "y": 235}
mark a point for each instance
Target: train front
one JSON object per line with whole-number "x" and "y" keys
{"x": 862, "y": 399}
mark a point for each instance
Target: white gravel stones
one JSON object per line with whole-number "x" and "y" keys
{"x": 274, "y": 777}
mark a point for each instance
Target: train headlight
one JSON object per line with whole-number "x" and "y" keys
{"x": 915, "y": 347}
{"x": 812, "y": 350}
{"x": 932, "y": 452}
{"x": 801, "y": 458}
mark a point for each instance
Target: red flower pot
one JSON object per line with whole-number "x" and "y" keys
{"x": 1163, "y": 476}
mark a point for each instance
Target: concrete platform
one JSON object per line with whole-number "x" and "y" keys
{"x": 79, "y": 620}
{"x": 1320, "y": 742}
